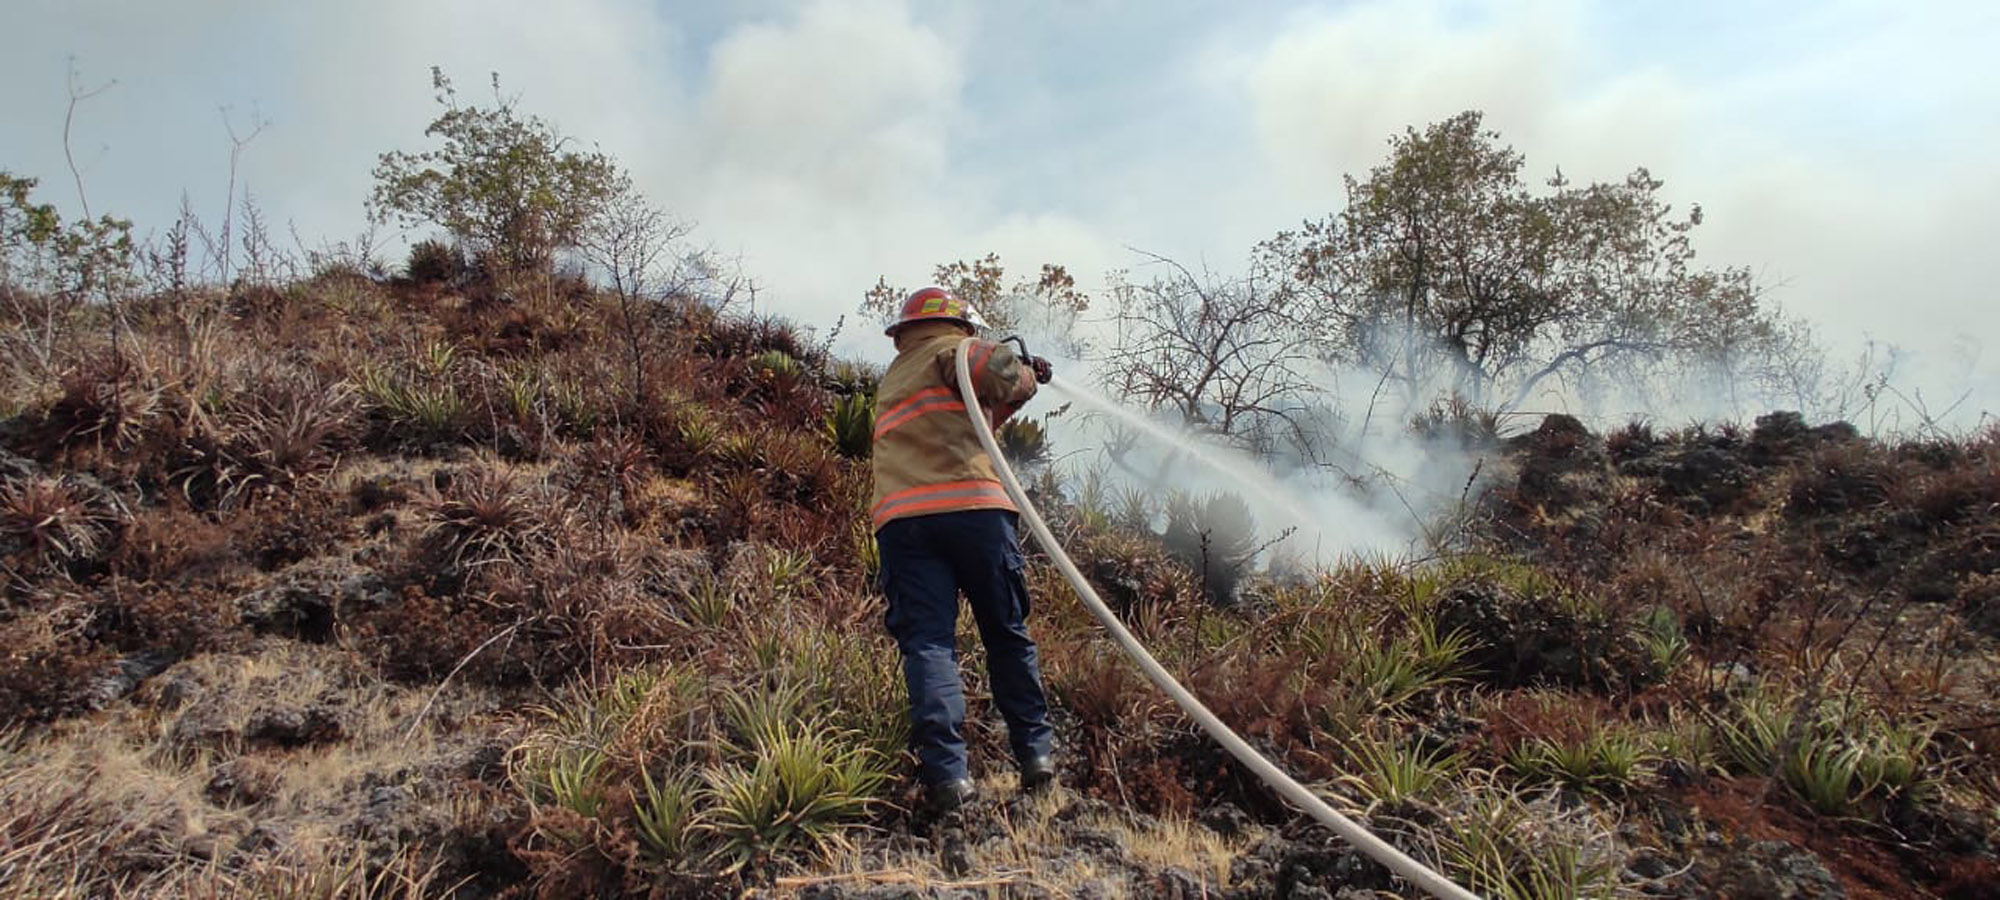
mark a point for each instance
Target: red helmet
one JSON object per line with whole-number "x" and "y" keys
{"x": 935, "y": 304}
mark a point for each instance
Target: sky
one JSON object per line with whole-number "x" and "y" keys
{"x": 1842, "y": 150}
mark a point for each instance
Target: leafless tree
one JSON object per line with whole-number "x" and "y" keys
{"x": 1226, "y": 354}
{"x": 631, "y": 244}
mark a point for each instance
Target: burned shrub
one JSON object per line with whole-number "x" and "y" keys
{"x": 1779, "y": 436}
{"x": 1129, "y": 569}
{"x": 46, "y": 670}
{"x": 1527, "y": 630}
{"x": 108, "y": 403}
{"x": 1838, "y": 481}
{"x": 150, "y": 617}
{"x": 1561, "y": 467}
{"x": 1455, "y": 422}
{"x": 1216, "y": 538}
{"x": 1707, "y": 479}
{"x": 1631, "y": 447}
{"x": 293, "y": 528}
{"x": 171, "y": 543}
{"x": 433, "y": 262}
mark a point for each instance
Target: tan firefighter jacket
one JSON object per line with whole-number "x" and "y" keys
{"x": 928, "y": 459}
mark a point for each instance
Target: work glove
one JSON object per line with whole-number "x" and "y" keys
{"x": 1043, "y": 371}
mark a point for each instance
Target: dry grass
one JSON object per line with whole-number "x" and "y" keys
{"x": 178, "y": 793}
{"x": 1035, "y": 841}
{"x": 502, "y": 515}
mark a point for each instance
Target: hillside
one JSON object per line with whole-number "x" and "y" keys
{"x": 351, "y": 586}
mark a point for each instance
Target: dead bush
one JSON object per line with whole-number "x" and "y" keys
{"x": 172, "y": 543}
{"x": 50, "y": 657}
{"x": 56, "y": 524}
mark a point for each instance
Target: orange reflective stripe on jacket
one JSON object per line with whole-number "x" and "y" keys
{"x": 953, "y": 495}
{"x": 937, "y": 399}
{"x": 980, "y": 355}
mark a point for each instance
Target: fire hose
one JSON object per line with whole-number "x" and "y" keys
{"x": 1354, "y": 833}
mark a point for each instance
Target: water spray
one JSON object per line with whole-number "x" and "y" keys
{"x": 1257, "y": 483}
{"x": 1359, "y": 837}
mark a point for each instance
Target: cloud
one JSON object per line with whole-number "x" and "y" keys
{"x": 1839, "y": 149}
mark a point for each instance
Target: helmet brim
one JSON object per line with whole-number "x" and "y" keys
{"x": 971, "y": 319}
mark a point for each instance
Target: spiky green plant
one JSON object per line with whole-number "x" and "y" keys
{"x": 1827, "y": 775}
{"x": 797, "y": 792}
{"x": 579, "y": 411}
{"x": 435, "y": 358}
{"x": 792, "y": 781}
{"x": 1391, "y": 673}
{"x": 867, "y": 553}
{"x": 1893, "y": 755}
{"x": 850, "y": 425}
{"x": 570, "y": 779}
{"x": 1666, "y": 644}
{"x": 1690, "y": 740}
{"x": 697, "y": 429}
{"x": 1609, "y": 760}
{"x": 1833, "y": 757}
{"x": 708, "y": 602}
{"x": 753, "y": 715}
{"x": 666, "y": 816}
{"x": 430, "y": 407}
{"x": 785, "y": 571}
{"x": 1763, "y": 721}
{"x": 1500, "y": 844}
{"x": 855, "y": 683}
{"x": 1390, "y": 772}
{"x": 846, "y": 377}
{"x": 740, "y": 451}
{"x": 777, "y": 363}
{"x": 1023, "y": 442}
{"x": 521, "y": 388}
{"x": 767, "y": 649}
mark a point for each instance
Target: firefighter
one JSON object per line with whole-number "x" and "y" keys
{"x": 944, "y": 524}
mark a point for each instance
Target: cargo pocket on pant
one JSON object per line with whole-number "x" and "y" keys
{"x": 1017, "y": 582}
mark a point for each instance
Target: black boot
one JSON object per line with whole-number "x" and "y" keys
{"x": 946, "y": 796}
{"x": 1038, "y": 775}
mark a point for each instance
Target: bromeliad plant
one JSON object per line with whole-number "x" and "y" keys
{"x": 1390, "y": 772}
{"x": 850, "y": 425}
{"x": 1607, "y": 760}
{"x": 792, "y": 788}
{"x": 1835, "y": 758}
{"x": 762, "y": 773}
{"x": 47, "y": 522}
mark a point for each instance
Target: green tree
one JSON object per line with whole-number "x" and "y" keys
{"x": 1045, "y": 308}
{"x": 502, "y": 184}
{"x": 1445, "y": 272}
{"x": 39, "y": 253}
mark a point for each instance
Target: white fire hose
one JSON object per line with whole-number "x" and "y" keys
{"x": 1361, "y": 838}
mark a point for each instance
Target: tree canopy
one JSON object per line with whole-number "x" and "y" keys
{"x": 1445, "y": 272}
{"x": 1045, "y": 307}
{"x": 502, "y": 184}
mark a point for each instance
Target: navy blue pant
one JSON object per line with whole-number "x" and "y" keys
{"x": 926, "y": 562}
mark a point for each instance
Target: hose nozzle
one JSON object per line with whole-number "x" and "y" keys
{"x": 1043, "y": 371}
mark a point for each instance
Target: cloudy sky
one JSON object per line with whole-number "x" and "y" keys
{"x": 1842, "y": 149}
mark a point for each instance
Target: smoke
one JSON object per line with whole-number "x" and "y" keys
{"x": 1368, "y": 486}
